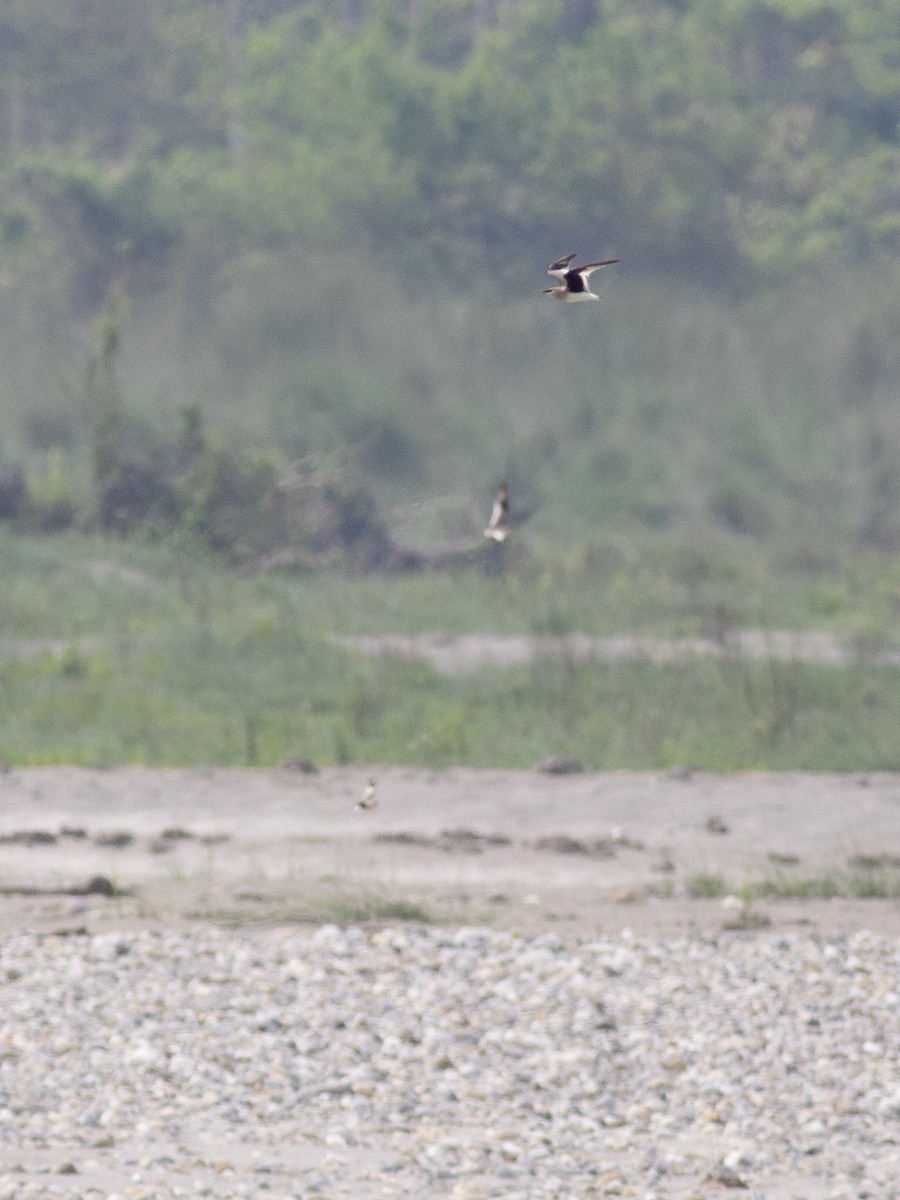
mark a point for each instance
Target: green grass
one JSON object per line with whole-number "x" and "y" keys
{"x": 856, "y": 881}
{"x": 706, "y": 887}
{"x": 828, "y": 885}
{"x": 80, "y": 586}
{"x": 342, "y": 908}
{"x": 170, "y": 659}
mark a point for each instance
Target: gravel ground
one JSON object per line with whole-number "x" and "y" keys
{"x": 417, "y": 1061}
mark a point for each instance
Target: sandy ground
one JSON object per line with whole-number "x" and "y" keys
{"x": 526, "y": 851}
{"x": 455, "y": 654}
{"x": 588, "y": 853}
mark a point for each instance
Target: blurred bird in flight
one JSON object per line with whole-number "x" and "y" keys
{"x": 498, "y": 525}
{"x": 573, "y": 281}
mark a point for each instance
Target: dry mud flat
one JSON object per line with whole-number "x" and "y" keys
{"x": 516, "y": 850}
{"x": 555, "y": 1028}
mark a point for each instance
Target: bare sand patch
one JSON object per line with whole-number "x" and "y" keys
{"x": 593, "y": 852}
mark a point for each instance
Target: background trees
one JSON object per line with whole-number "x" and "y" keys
{"x": 332, "y": 221}
{"x": 708, "y": 135}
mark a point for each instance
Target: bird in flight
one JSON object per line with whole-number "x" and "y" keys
{"x": 498, "y": 525}
{"x": 573, "y": 281}
{"x": 367, "y": 800}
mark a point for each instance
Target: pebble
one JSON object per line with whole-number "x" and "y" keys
{"x": 408, "y": 1062}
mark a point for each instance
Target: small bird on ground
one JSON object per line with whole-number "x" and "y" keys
{"x": 498, "y": 525}
{"x": 573, "y": 281}
{"x": 368, "y": 797}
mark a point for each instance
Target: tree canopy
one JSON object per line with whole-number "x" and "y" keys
{"x": 724, "y": 139}
{"x": 327, "y": 218}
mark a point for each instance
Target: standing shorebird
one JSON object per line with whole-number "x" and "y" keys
{"x": 368, "y": 797}
{"x": 498, "y": 525}
{"x": 573, "y": 281}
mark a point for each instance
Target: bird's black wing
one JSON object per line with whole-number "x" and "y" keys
{"x": 560, "y": 264}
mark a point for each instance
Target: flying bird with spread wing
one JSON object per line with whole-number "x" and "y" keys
{"x": 498, "y": 525}
{"x": 573, "y": 281}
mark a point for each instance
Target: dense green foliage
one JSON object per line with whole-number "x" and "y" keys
{"x": 325, "y": 226}
{"x": 271, "y": 277}
{"x": 699, "y": 136}
{"x": 328, "y": 226}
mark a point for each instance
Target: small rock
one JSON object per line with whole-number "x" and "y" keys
{"x": 560, "y": 764}
{"x": 725, "y": 1177}
{"x": 115, "y": 840}
{"x": 680, "y": 773}
{"x": 28, "y": 837}
{"x": 99, "y": 885}
{"x": 175, "y": 833}
{"x": 296, "y": 762}
{"x": 561, "y": 843}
